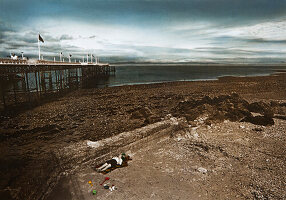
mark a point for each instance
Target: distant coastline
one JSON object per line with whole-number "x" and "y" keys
{"x": 199, "y": 63}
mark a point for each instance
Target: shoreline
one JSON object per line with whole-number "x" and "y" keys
{"x": 200, "y": 64}
{"x": 198, "y": 80}
{"x": 31, "y": 141}
{"x": 199, "y": 75}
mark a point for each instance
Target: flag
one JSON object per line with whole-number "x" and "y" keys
{"x": 41, "y": 39}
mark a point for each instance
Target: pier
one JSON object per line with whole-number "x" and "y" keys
{"x": 29, "y": 81}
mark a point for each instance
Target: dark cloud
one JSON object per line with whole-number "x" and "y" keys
{"x": 249, "y": 40}
{"x": 238, "y": 52}
{"x": 265, "y": 41}
{"x": 142, "y": 12}
{"x": 66, "y": 37}
{"x": 170, "y": 11}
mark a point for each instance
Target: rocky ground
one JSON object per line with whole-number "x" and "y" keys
{"x": 237, "y": 134}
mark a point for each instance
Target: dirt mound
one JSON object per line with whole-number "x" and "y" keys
{"x": 225, "y": 107}
{"x": 143, "y": 114}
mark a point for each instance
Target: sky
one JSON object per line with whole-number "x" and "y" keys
{"x": 221, "y": 31}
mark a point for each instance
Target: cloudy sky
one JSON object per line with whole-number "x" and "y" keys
{"x": 147, "y": 30}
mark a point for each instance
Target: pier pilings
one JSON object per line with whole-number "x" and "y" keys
{"x": 25, "y": 83}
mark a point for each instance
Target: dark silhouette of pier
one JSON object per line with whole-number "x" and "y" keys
{"x": 25, "y": 82}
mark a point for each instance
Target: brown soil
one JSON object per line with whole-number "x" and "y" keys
{"x": 229, "y": 160}
{"x": 31, "y": 140}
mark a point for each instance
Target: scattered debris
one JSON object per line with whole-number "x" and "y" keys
{"x": 202, "y": 170}
{"x": 90, "y": 183}
{"x": 242, "y": 127}
{"x": 106, "y": 179}
{"x": 94, "y": 144}
{"x": 112, "y": 188}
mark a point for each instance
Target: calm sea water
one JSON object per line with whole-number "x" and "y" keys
{"x": 130, "y": 74}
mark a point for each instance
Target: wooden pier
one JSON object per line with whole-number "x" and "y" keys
{"x": 24, "y": 81}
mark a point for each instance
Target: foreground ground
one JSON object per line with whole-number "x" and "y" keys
{"x": 225, "y": 161}
{"x": 241, "y": 160}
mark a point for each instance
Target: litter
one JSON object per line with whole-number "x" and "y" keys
{"x": 94, "y": 144}
{"x": 90, "y": 183}
{"x": 106, "y": 179}
{"x": 241, "y": 126}
{"x": 112, "y": 188}
{"x": 94, "y": 192}
{"x": 202, "y": 170}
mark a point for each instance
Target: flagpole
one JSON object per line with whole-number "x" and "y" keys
{"x": 39, "y": 48}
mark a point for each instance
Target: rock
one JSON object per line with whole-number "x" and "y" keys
{"x": 261, "y": 107}
{"x": 206, "y": 100}
{"x": 274, "y": 104}
{"x": 259, "y": 120}
{"x": 179, "y": 138}
{"x": 280, "y": 117}
{"x": 196, "y": 136}
{"x": 140, "y": 113}
{"x": 257, "y": 129}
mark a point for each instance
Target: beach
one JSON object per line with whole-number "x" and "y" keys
{"x": 228, "y": 143}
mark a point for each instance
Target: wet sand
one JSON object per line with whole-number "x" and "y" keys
{"x": 31, "y": 141}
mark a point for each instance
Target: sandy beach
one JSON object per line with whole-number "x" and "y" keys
{"x": 222, "y": 139}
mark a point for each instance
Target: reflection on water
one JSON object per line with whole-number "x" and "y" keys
{"x": 98, "y": 82}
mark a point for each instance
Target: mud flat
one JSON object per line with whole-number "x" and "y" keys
{"x": 228, "y": 141}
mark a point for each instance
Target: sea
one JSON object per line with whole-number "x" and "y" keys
{"x": 132, "y": 74}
